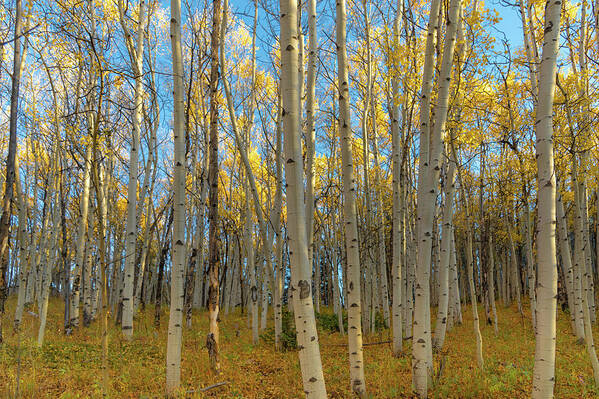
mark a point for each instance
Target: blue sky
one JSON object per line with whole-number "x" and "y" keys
{"x": 510, "y": 23}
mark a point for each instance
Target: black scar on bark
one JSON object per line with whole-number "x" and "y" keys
{"x": 304, "y": 289}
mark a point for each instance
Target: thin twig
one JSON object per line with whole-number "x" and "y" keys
{"x": 209, "y": 387}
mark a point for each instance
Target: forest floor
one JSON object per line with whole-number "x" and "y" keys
{"x": 70, "y": 366}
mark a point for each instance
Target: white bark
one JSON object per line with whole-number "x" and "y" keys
{"x": 356, "y": 357}
{"x": 442, "y": 316}
{"x": 173, "y": 351}
{"x": 307, "y": 336}
{"x": 81, "y": 234}
{"x": 573, "y": 285}
{"x": 132, "y": 216}
{"x": 397, "y": 271}
{"x": 427, "y": 188}
{"x": 544, "y": 368}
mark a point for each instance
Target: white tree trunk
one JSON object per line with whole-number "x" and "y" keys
{"x": 356, "y": 356}
{"x": 442, "y": 316}
{"x": 132, "y": 217}
{"x": 573, "y": 285}
{"x": 173, "y": 348}
{"x": 397, "y": 271}
{"x": 421, "y": 343}
{"x": 307, "y": 336}
{"x": 81, "y": 234}
{"x": 544, "y": 368}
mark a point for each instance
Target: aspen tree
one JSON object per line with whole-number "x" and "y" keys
{"x": 22, "y": 240}
{"x": 148, "y": 228}
{"x": 454, "y": 286}
{"x": 136, "y": 53}
{"x": 573, "y": 284}
{"x": 442, "y": 315}
{"x": 586, "y": 305}
{"x": 7, "y": 200}
{"x": 213, "y": 339}
{"x": 354, "y": 334}
{"x": 470, "y": 264}
{"x": 580, "y": 263}
{"x": 278, "y": 289}
{"x": 381, "y": 257}
{"x": 544, "y": 368}
{"x": 251, "y": 187}
{"x": 49, "y": 264}
{"x": 491, "y": 281}
{"x": 22, "y": 205}
{"x": 303, "y": 309}
{"x": 101, "y": 213}
{"x": 87, "y": 274}
{"x": 398, "y": 272}
{"x": 253, "y": 293}
{"x": 514, "y": 277}
{"x": 369, "y": 266}
{"x": 310, "y": 134}
{"x": 48, "y": 250}
{"x": 173, "y": 349}
{"x": 426, "y": 193}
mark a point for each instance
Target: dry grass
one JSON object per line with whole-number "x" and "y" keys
{"x": 69, "y": 367}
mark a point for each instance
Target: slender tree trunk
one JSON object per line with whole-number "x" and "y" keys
{"x": 160, "y": 269}
{"x": 310, "y": 133}
{"x": 307, "y": 336}
{"x": 132, "y": 217}
{"x": 442, "y": 316}
{"x": 397, "y": 271}
{"x": 49, "y": 263}
{"x": 582, "y": 271}
{"x": 425, "y": 210}
{"x": 23, "y": 253}
{"x": 86, "y": 273}
{"x": 213, "y": 217}
{"x": 173, "y": 351}
{"x": 278, "y": 291}
{"x": 544, "y": 368}
{"x": 7, "y": 200}
{"x": 491, "y": 281}
{"x": 354, "y": 326}
{"x": 573, "y": 284}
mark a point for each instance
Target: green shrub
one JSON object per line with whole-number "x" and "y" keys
{"x": 288, "y": 334}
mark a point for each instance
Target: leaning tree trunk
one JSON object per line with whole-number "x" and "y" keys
{"x": 10, "y": 163}
{"x": 132, "y": 219}
{"x": 356, "y": 356}
{"x": 307, "y": 336}
{"x": 544, "y": 368}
